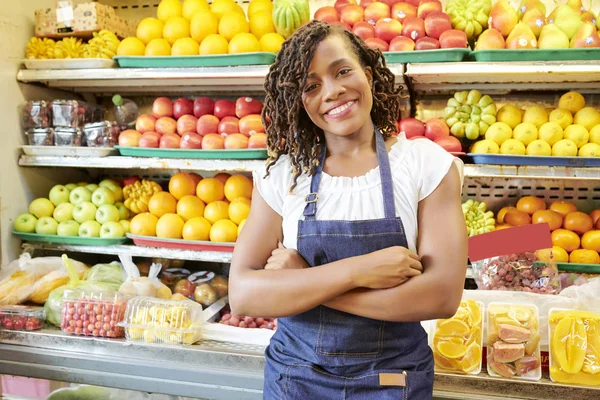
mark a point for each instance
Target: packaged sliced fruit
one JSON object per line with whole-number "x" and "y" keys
{"x": 36, "y": 114}
{"x": 22, "y": 318}
{"x": 457, "y": 342}
{"x": 40, "y": 136}
{"x": 574, "y": 346}
{"x": 513, "y": 341}
{"x": 93, "y": 313}
{"x": 153, "y": 320}
{"x": 68, "y": 137}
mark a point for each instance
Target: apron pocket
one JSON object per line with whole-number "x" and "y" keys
{"x": 419, "y": 385}
{"x": 306, "y": 382}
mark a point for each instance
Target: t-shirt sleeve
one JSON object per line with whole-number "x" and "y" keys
{"x": 271, "y": 187}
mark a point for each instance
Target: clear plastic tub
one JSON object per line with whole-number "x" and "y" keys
{"x": 40, "y": 137}
{"x": 22, "y": 318}
{"x": 93, "y": 313}
{"x": 67, "y": 137}
{"x": 152, "y": 320}
{"x": 101, "y": 134}
{"x": 208, "y": 287}
{"x": 69, "y": 113}
{"x": 457, "y": 343}
{"x": 513, "y": 342}
{"x": 36, "y": 114}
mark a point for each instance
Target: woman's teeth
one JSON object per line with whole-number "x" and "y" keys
{"x": 339, "y": 109}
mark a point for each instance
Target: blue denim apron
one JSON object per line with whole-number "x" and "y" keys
{"x": 329, "y": 354}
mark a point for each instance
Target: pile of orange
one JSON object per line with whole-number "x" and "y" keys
{"x": 575, "y": 234}
{"x": 197, "y": 208}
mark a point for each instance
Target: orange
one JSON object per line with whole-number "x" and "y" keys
{"x": 176, "y": 28}
{"x": 502, "y": 213}
{"x": 202, "y": 24}
{"x": 170, "y": 226}
{"x": 190, "y": 207}
{"x": 559, "y": 254}
{"x": 220, "y": 7}
{"x": 243, "y": 43}
{"x": 216, "y": 211}
{"x": 552, "y": 218}
{"x": 131, "y": 46}
{"x": 214, "y": 44}
{"x": 595, "y": 215}
{"x": 232, "y": 23}
{"x": 238, "y": 186}
{"x": 210, "y": 190}
{"x": 591, "y": 240}
{"x": 223, "y": 231}
{"x": 162, "y": 203}
{"x": 584, "y": 257}
{"x": 261, "y": 24}
{"x": 143, "y": 224}
{"x": 196, "y": 229}
{"x": 566, "y": 239}
{"x": 222, "y": 176}
{"x": 578, "y": 222}
{"x": 517, "y": 218}
{"x": 531, "y": 204}
{"x": 182, "y": 184}
{"x": 239, "y": 210}
{"x": 197, "y": 178}
{"x": 271, "y": 42}
{"x": 563, "y": 207}
{"x": 149, "y": 29}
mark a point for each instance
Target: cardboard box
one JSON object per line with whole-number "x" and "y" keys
{"x": 80, "y": 19}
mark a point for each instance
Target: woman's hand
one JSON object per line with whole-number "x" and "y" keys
{"x": 282, "y": 258}
{"x": 388, "y": 268}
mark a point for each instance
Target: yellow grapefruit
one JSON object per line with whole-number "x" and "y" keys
{"x": 216, "y": 211}
{"x": 238, "y": 186}
{"x": 189, "y": 207}
{"x": 203, "y": 23}
{"x": 143, "y": 224}
{"x": 210, "y": 190}
{"x": 169, "y": 226}
{"x": 223, "y": 231}
{"x": 162, "y": 203}
{"x": 214, "y": 44}
{"x": 196, "y": 229}
{"x": 149, "y": 29}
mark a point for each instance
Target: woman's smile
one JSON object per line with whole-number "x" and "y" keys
{"x": 340, "y": 111}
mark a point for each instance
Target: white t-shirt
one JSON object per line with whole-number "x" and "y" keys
{"x": 418, "y": 167}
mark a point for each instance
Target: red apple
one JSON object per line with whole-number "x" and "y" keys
{"x": 150, "y": 139}
{"x": 186, "y": 123}
{"x": 166, "y": 125}
{"x": 251, "y": 124}
{"x": 257, "y": 141}
{"x": 402, "y": 43}
{"x": 183, "y": 107}
{"x": 427, "y": 43}
{"x": 162, "y": 107}
{"x": 414, "y": 28}
{"x": 417, "y": 137}
{"x": 450, "y": 144}
{"x": 129, "y": 138}
{"x": 145, "y": 123}
{"x": 339, "y": 4}
{"x": 426, "y": 7}
{"x": 130, "y": 180}
{"x": 453, "y": 38}
{"x": 436, "y": 128}
{"x": 437, "y": 23}
{"x": 212, "y": 141}
{"x": 228, "y": 125}
{"x": 191, "y": 141}
{"x": 224, "y": 108}
{"x": 412, "y": 127}
{"x": 207, "y": 124}
{"x": 169, "y": 141}
{"x": 377, "y": 44}
{"x": 401, "y": 11}
{"x": 386, "y": 29}
{"x": 246, "y": 106}
{"x": 236, "y": 141}
{"x": 203, "y": 106}
{"x": 365, "y": 3}
{"x": 390, "y": 2}
{"x": 327, "y": 14}
{"x": 413, "y": 2}
{"x": 352, "y": 14}
{"x": 364, "y": 30}
{"x": 344, "y": 25}
{"x": 376, "y": 11}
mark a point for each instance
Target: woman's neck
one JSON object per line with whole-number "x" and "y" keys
{"x": 360, "y": 142}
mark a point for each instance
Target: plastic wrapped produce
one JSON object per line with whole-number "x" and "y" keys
{"x": 93, "y": 313}
{"x": 136, "y": 285}
{"x": 40, "y": 136}
{"x": 106, "y": 273}
{"x": 170, "y": 276}
{"x": 41, "y": 288}
{"x": 22, "y": 318}
{"x": 36, "y": 114}
{"x": 208, "y": 287}
{"x": 574, "y": 347}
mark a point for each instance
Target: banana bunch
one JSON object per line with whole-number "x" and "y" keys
{"x": 137, "y": 195}
{"x": 469, "y": 114}
{"x": 103, "y": 45}
{"x": 477, "y": 218}
{"x": 69, "y": 47}
{"x": 40, "y": 48}
{"x": 469, "y": 16}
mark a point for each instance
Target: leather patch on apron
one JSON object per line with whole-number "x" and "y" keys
{"x": 392, "y": 380}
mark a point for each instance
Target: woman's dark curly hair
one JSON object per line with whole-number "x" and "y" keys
{"x": 289, "y": 128}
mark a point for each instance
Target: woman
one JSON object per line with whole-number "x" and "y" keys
{"x": 380, "y": 218}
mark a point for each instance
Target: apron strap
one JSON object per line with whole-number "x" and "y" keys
{"x": 310, "y": 210}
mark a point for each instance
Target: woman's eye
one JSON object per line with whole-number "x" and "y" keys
{"x": 310, "y": 88}
{"x": 344, "y": 71}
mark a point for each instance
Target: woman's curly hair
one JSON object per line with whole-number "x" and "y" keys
{"x": 289, "y": 129}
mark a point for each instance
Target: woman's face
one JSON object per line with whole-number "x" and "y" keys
{"x": 337, "y": 96}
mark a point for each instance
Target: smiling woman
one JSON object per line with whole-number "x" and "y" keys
{"x": 344, "y": 242}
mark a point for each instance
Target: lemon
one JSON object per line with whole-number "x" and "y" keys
{"x": 232, "y": 23}
{"x": 539, "y": 148}
{"x": 176, "y": 28}
{"x": 271, "y": 42}
{"x": 474, "y": 311}
{"x": 562, "y": 116}
{"x": 551, "y": 132}
{"x": 577, "y": 134}
{"x": 452, "y": 328}
{"x": 214, "y": 44}
{"x": 536, "y": 115}
{"x": 587, "y": 117}
{"x": 220, "y": 7}
{"x": 168, "y": 9}
{"x": 238, "y": 211}
{"x": 191, "y": 7}
{"x": 564, "y": 148}
{"x": 525, "y": 132}
{"x": 512, "y": 146}
{"x": 261, "y": 23}
{"x": 131, "y": 46}
{"x": 258, "y": 6}
{"x": 158, "y": 47}
{"x": 472, "y": 358}
{"x": 185, "y": 47}
{"x": 148, "y": 29}
{"x": 451, "y": 350}
{"x": 510, "y": 115}
{"x": 589, "y": 150}
{"x": 243, "y": 43}
{"x": 203, "y": 23}
{"x": 499, "y": 132}
{"x": 595, "y": 134}
{"x": 485, "y": 146}
{"x": 571, "y": 101}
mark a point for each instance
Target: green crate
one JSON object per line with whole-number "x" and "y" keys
{"x": 500, "y": 55}
{"x": 242, "y": 154}
{"x": 426, "y": 56}
{"x": 217, "y": 60}
{"x": 76, "y": 240}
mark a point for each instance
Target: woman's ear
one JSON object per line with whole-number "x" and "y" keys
{"x": 369, "y": 74}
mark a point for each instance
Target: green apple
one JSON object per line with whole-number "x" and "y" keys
{"x": 126, "y": 225}
{"x": 84, "y": 184}
{"x": 80, "y": 195}
{"x": 92, "y": 187}
{"x": 102, "y": 196}
{"x": 25, "y": 223}
{"x": 71, "y": 186}
{"x": 115, "y": 187}
{"x": 59, "y": 194}
{"x": 68, "y": 228}
{"x": 107, "y": 213}
{"x": 90, "y": 229}
{"x": 123, "y": 211}
{"x": 46, "y": 226}
{"x": 83, "y": 212}
{"x": 41, "y": 207}
{"x": 63, "y": 212}
{"x": 112, "y": 229}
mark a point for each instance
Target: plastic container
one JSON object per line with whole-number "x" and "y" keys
{"x": 208, "y": 287}
{"x": 574, "y": 338}
{"x": 68, "y": 137}
{"x": 171, "y": 276}
{"x": 126, "y": 111}
{"x": 462, "y": 335}
{"x": 101, "y": 134}
{"x": 69, "y": 113}
{"x": 152, "y": 320}
{"x": 93, "y": 314}
{"x": 36, "y": 114}
{"x": 40, "y": 136}
{"x": 513, "y": 341}
{"x": 22, "y": 318}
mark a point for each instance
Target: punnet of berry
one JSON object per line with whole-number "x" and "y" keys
{"x": 22, "y": 318}
{"x": 93, "y": 313}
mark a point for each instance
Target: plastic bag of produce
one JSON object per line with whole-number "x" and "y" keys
{"x": 136, "y": 285}
{"x": 42, "y": 288}
{"x": 106, "y": 273}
